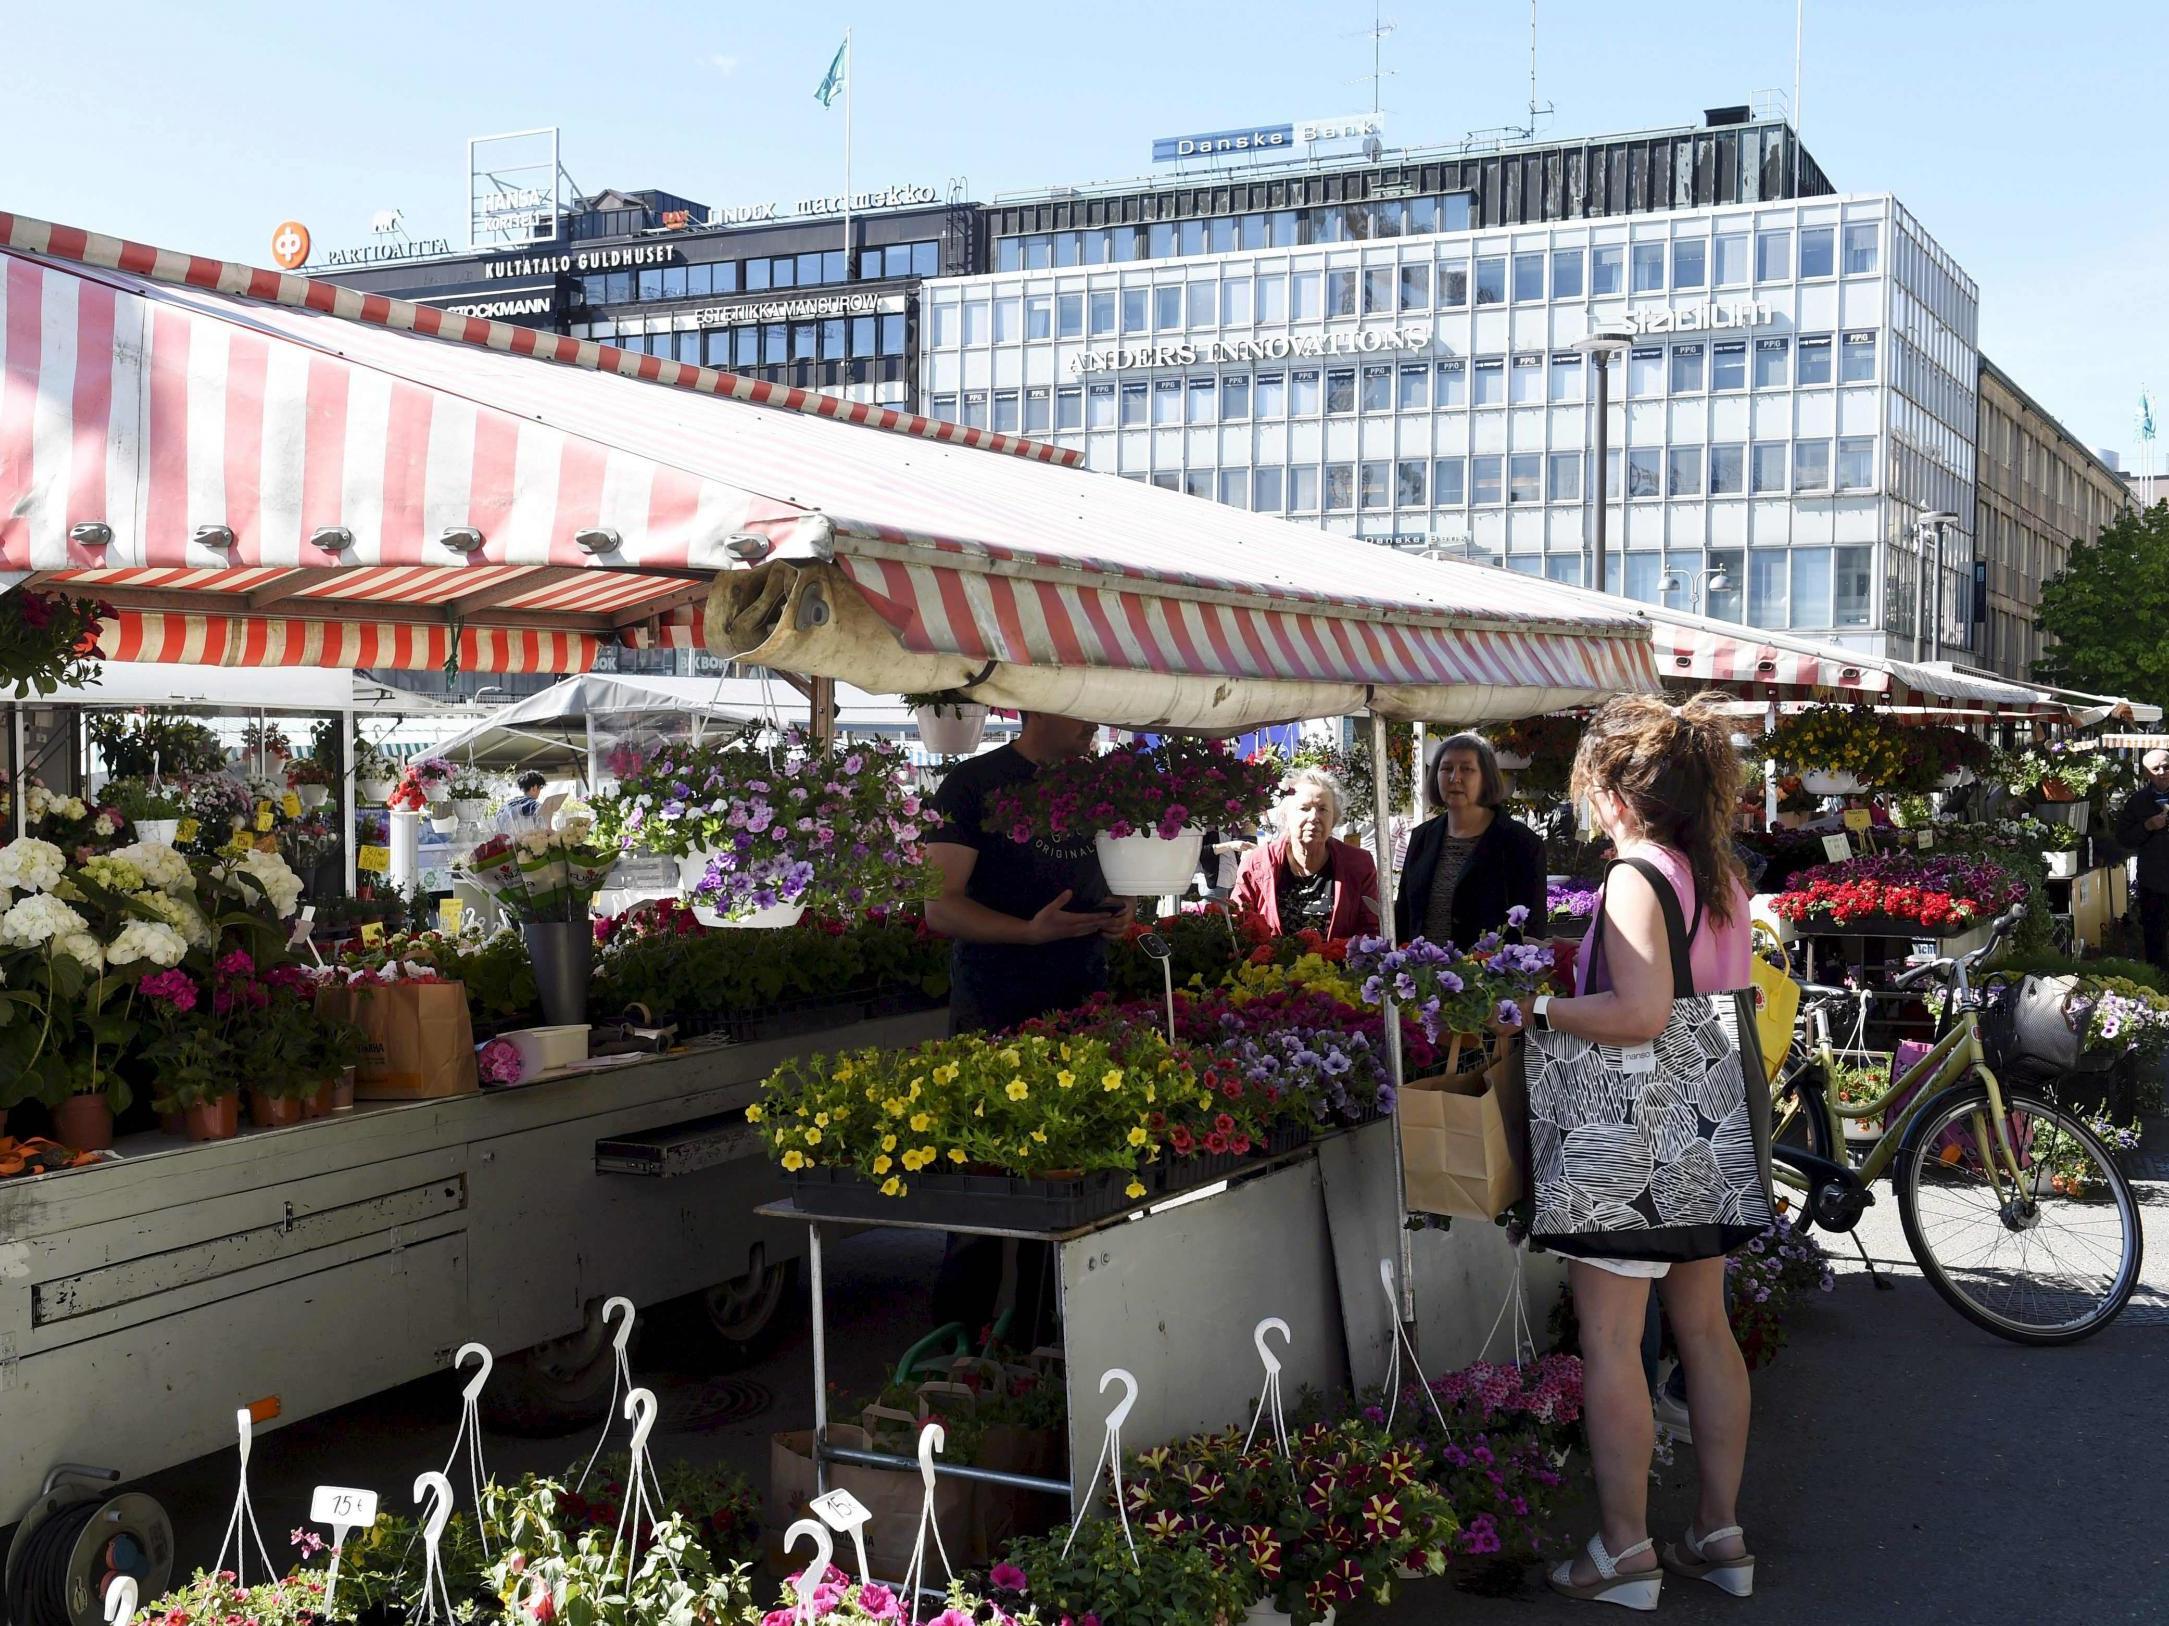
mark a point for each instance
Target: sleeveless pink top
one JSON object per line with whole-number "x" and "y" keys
{"x": 1720, "y": 954}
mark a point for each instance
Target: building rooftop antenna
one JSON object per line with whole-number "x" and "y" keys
{"x": 1380, "y": 27}
{"x": 1535, "y": 111}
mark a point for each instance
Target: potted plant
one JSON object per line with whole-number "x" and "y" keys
{"x": 265, "y": 746}
{"x": 434, "y": 775}
{"x": 374, "y": 773}
{"x": 1117, "y": 1579}
{"x": 540, "y": 1572}
{"x": 763, "y": 833}
{"x": 1145, "y": 807}
{"x": 312, "y": 779}
{"x": 470, "y": 794}
{"x": 154, "y": 745}
{"x": 334, "y": 1051}
{"x": 2064, "y": 777}
{"x": 1839, "y": 750}
{"x": 951, "y": 723}
{"x": 154, "y": 809}
{"x": 545, "y": 880}
{"x": 48, "y": 641}
{"x": 1942, "y": 893}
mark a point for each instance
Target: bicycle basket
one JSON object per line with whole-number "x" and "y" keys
{"x": 2026, "y": 1035}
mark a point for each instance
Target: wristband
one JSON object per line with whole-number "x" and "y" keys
{"x": 1540, "y": 1013}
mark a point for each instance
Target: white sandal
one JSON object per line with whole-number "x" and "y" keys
{"x": 1734, "y": 1575}
{"x": 1636, "y": 1591}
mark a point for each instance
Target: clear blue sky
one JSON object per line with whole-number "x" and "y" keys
{"x": 2021, "y": 135}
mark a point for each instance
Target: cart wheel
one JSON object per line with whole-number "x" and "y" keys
{"x": 556, "y": 1387}
{"x": 751, "y": 1312}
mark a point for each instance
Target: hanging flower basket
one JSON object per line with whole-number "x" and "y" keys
{"x": 1830, "y": 783}
{"x": 313, "y": 796}
{"x": 773, "y": 918}
{"x": 444, "y": 824}
{"x": 376, "y": 790}
{"x": 1513, "y": 761}
{"x": 951, "y": 729}
{"x": 2056, "y": 790}
{"x": 1145, "y": 866}
{"x": 161, "y": 831}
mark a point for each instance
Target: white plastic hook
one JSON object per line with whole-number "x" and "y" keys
{"x": 824, "y": 1552}
{"x": 1120, "y": 1415}
{"x": 1396, "y": 1342}
{"x": 435, "y": 1490}
{"x": 474, "y": 1386}
{"x": 1269, "y": 1402}
{"x": 1270, "y": 1324}
{"x": 246, "y": 1425}
{"x": 640, "y": 1412}
{"x": 624, "y": 1333}
{"x": 120, "y": 1600}
{"x": 932, "y": 1438}
{"x": 241, "y": 1523}
{"x": 621, "y": 1377}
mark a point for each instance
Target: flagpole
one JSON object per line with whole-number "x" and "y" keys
{"x": 851, "y": 73}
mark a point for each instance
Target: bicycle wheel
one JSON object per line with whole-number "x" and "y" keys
{"x": 1797, "y": 1118}
{"x": 2050, "y": 1261}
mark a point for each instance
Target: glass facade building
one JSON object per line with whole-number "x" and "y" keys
{"x": 1800, "y": 389}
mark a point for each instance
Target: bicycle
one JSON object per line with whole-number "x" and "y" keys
{"x": 2014, "y": 1209}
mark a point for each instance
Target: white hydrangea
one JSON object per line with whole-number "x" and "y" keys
{"x": 30, "y": 865}
{"x": 181, "y": 914}
{"x": 147, "y": 940}
{"x": 38, "y": 919}
{"x": 160, "y": 866}
{"x": 275, "y": 881}
{"x": 82, "y": 948}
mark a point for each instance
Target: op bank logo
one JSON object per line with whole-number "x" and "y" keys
{"x": 1266, "y": 138}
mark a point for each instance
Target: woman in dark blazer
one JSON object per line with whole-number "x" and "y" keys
{"x": 1469, "y": 863}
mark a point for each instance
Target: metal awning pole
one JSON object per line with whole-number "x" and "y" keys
{"x": 349, "y": 799}
{"x": 20, "y": 786}
{"x": 1382, "y": 838}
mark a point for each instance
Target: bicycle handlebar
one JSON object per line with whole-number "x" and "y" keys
{"x": 1946, "y": 966}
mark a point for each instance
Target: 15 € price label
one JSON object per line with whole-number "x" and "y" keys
{"x": 290, "y": 804}
{"x": 338, "y": 1505}
{"x": 263, "y": 815}
{"x": 376, "y": 860}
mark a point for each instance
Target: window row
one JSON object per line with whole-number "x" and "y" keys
{"x": 757, "y": 275}
{"x": 1228, "y": 234}
{"x": 772, "y": 344}
{"x": 1488, "y": 381}
{"x": 1490, "y": 480}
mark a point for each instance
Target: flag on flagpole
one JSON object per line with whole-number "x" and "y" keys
{"x": 833, "y": 83}
{"x": 2146, "y": 417}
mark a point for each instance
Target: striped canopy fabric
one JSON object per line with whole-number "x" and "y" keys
{"x": 323, "y": 471}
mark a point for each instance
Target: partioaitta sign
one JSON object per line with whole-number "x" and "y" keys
{"x": 1699, "y": 318}
{"x": 1277, "y": 347}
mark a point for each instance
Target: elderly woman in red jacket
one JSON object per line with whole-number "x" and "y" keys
{"x": 1302, "y": 878}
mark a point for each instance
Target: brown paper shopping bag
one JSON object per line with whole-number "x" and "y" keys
{"x": 417, "y": 1041}
{"x": 892, "y": 1497}
{"x": 1464, "y": 1138}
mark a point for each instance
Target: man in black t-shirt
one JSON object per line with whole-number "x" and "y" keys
{"x": 1027, "y": 918}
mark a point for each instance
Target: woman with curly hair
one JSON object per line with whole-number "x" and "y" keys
{"x": 1661, "y": 781}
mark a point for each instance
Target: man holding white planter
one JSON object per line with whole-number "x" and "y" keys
{"x": 1027, "y": 918}
{"x": 2142, "y": 827}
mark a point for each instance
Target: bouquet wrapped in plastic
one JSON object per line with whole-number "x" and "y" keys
{"x": 544, "y": 872}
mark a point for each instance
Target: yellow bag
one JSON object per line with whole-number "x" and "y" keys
{"x": 1777, "y": 1003}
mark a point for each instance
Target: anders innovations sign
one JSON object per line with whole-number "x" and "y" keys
{"x": 1278, "y": 347}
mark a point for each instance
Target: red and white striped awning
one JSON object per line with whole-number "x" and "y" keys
{"x": 1695, "y": 653}
{"x": 191, "y": 438}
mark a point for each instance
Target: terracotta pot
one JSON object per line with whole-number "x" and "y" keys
{"x": 2055, "y": 790}
{"x": 173, "y": 1123}
{"x": 84, "y": 1122}
{"x": 342, "y": 1092}
{"x": 319, "y": 1104}
{"x": 216, "y": 1119}
{"x": 268, "y": 1111}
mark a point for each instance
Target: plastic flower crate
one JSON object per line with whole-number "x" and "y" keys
{"x": 1002, "y": 1201}
{"x": 1288, "y": 1135}
{"x": 1171, "y": 1177}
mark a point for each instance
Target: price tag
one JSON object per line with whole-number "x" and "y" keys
{"x": 1637, "y": 1058}
{"x": 263, "y": 815}
{"x": 291, "y": 804}
{"x": 1927, "y": 840}
{"x": 373, "y": 860}
{"x": 449, "y": 914}
{"x": 337, "y": 1505}
{"x": 841, "y": 1511}
{"x": 1837, "y": 848}
{"x": 1858, "y": 820}
{"x": 372, "y": 933}
{"x": 186, "y": 831}
{"x": 302, "y": 924}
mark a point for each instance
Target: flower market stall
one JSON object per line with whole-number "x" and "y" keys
{"x": 402, "y": 487}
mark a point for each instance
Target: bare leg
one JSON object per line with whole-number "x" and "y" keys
{"x": 1717, "y": 1395}
{"x": 1615, "y": 1408}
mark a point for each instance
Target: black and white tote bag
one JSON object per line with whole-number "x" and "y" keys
{"x": 1658, "y": 1151}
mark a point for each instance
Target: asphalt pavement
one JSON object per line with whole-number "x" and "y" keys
{"x": 1905, "y": 1467}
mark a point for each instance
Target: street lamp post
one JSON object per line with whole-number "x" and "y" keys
{"x": 1927, "y": 534}
{"x": 1603, "y": 341}
{"x": 1712, "y": 580}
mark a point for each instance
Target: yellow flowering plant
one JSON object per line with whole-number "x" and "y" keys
{"x": 1839, "y": 739}
{"x": 1035, "y": 1105}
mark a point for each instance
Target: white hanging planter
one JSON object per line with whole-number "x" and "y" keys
{"x": 1265, "y": 1613}
{"x": 439, "y": 791}
{"x": 774, "y": 918}
{"x": 951, "y": 731}
{"x": 692, "y": 867}
{"x": 1144, "y": 866}
{"x": 472, "y": 807}
{"x": 313, "y": 797}
{"x": 1951, "y": 781}
{"x": 2062, "y": 866}
{"x": 1817, "y": 782}
{"x": 375, "y": 790}
{"x": 1513, "y": 761}
{"x": 444, "y": 824}
{"x": 161, "y": 831}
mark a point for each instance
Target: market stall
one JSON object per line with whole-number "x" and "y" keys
{"x": 402, "y": 487}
